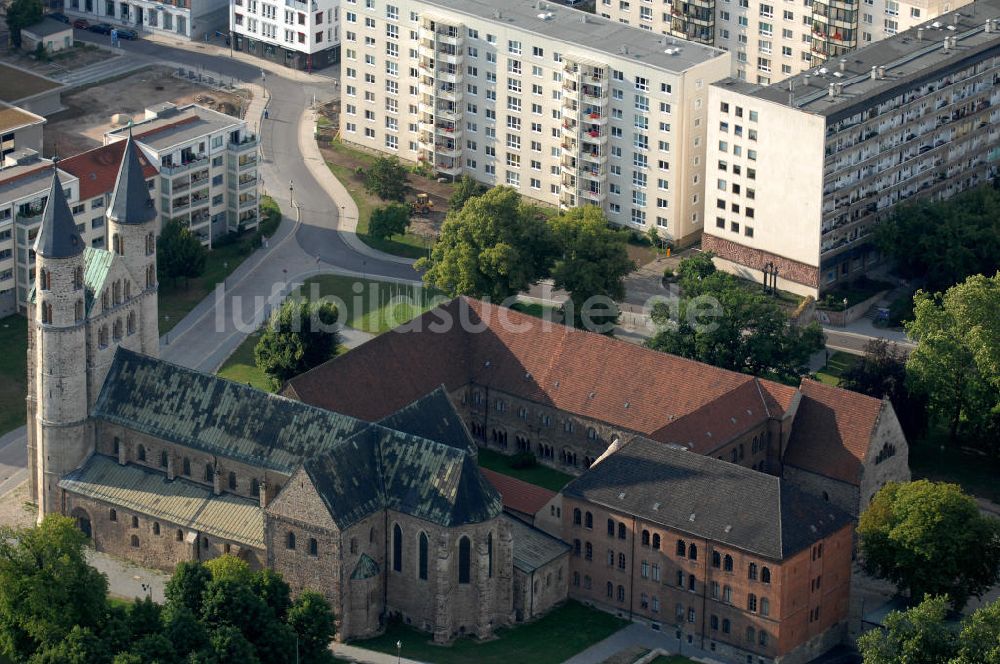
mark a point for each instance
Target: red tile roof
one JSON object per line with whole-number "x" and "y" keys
{"x": 832, "y": 431}
{"x": 518, "y": 495}
{"x": 97, "y": 169}
{"x": 718, "y": 421}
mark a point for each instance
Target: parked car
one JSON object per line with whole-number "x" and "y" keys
{"x": 62, "y": 18}
{"x": 127, "y": 33}
{"x": 101, "y": 28}
{"x": 81, "y": 24}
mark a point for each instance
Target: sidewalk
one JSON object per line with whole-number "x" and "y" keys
{"x": 638, "y": 634}
{"x": 355, "y": 654}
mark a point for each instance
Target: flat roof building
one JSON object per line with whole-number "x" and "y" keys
{"x": 566, "y": 107}
{"x": 914, "y": 116}
{"x": 19, "y": 129}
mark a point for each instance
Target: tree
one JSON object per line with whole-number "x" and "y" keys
{"x": 144, "y": 617}
{"x": 179, "y": 253}
{"x": 21, "y": 14}
{"x": 183, "y": 629}
{"x": 80, "y": 646}
{"x": 943, "y": 242}
{"x": 916, "y": 636}
{"x": 495, "y": 246}
{"x": 387, "y": 179}
{"x": 723, "y": 322}
{"x": 46, "y": 586}
{"x": 466, "y": 187}
{"x": 229, "y": 567}
{"x": 300, "y": 336}
{"x": 389, "y": 220}
{"x": 979, "y": 641}
{"x": 956, "y": 363}
{"x": 593, "y": 261}
{"x": 930, "y": 538}
{"x": 312, "y": 620}
{"x": 186, "y": 586}
{"x": 881, "y": 373}
{"x": 229, "y": 645}
{"x": 270, "y": 587}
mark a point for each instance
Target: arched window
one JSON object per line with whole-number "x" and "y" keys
{"x": 645, "y": 537}
{"x": 680, "y": 578}
{"x": 464, "y": 559}
{"x": 765, "y": 575}
{"x": 762, "y": 638}
{"x": 588, "y": 520}
{"x": 621, "y": 531}
{"x": 117, "y": 245}
{"x": 727, "y": 563}
{"x": 751, "y": 602}
{"x": 290, "y": 540}
{"x": 163, "y": 459}
{"x": 489, "y": 555}
{"x": 727, "y": 594}
{"x": 116, "y": 293}
{"x": 313, "y": 547}
{"x": 588, "y": 551}
{"x": 78, "y": 311}
{"x": 209, "y": 473}
{"x": 371, "y": 535}
{"x": 135, "y": 541}
{"x": 113, "y": 514}
{"x": 752, "y": 571}
{"x": 577, "y": 547}
{"x": 141, "y": 452}
{"x": 726, "y": 626}
{"x": 397, "y": 548}
{"x": 186, "y": 466}
{"x": 156, "y": 527}
{"x": 105, "y": 300}
{"x": 130, "y": 322}
{"x": 255, "y": 488}
{"x": 693, "y": 552}
{"x": 611, "y": 589}
{"x": 135, "y": 522}
{"x": 422, "y": 546}
{"x": 44, "y": 282}
{"x": 691, "y": 582}
{"x": 78, "y": 278}
{"x": 577, "y": 516}
{"x": 117, "y": 329}
{"x": 150, "y": 244}
{"x": 681, "y": 548}
{"x": 46, "y": 313}
{"x": 765, "y": 606}
{"x": 656, "y": 541}
{"x": 180, "y": 535}
{"x": 716, "y": 560}
{"x": 714, "y": 622}
{"x": 611, "y": 528}
{"x": 128, "y": 289}
{"x": 621, "y": 561}
{"x": 102, "y": 337}
{"x": 150, "y": 276}
{"x": 232, "y": 481}
{"x": 621, "y": 593}
{"x": 751, "y": 634}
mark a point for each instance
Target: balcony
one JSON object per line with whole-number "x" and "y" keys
{"x": 451, "y": 37}
{"x": 247, "y": 183}
{"x": 595, "y": 117}
{"x": 453, "y": 76}
{"x": 447, "y": 149}
{"x": 247, "y": 162}
{"x": 567, "y": 198}
{"x": 594, "y": 158}
{"x": 449, "y": 167}
{"x": 248, "y": 142}
{"x": 571, "y": 113}
{"x": 448, "y": 130}
{"x": 246, "y": 201}
{"x": 596, "y": 197}
{"x": 170, "y": 169}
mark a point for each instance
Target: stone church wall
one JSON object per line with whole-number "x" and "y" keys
{"x": 841, "y": 494}
{"x": 889, "y": 441}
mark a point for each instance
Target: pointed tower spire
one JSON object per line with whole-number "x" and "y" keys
{"x": 130, "y": 200}
{"x": 57, "y": 235}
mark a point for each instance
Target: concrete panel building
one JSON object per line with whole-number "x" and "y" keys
{"x": 771, "y": 40}
{"x": 913, "y": 116}
{"x": 568, "y": 108}
{"x": 19, "y": 130}
{"x": 302, "y": 35}
{"x": 187, "y": 19}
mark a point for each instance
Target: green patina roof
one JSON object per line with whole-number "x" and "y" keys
{"x": 365, "y": 569}
{"x": 216, "y": 415}
{"x": 97, "y": 264}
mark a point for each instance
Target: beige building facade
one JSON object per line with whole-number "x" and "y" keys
{"x": 567, "y": 108}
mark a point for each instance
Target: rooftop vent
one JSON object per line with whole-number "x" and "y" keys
{"x": 727, "y": 528}
{"x": 691, "y": 518}
{"x": 920, "y": 34}
{"x": 656, "y": 506}
{"x": 527, "y": 375}
{"x": 621, "y": 496}
{"x": 936, "y": 25}
{"x": 545, "y": 16}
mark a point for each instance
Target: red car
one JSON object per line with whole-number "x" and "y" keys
{"x": 81, "y": 24}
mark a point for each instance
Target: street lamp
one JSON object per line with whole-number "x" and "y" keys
{"x": 845, "y": 305}
{"x": 399, "y": 650}
{"x": 291, "y": 192}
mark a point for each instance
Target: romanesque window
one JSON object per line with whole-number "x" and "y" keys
{"x": 255, "y": 488}
{"x": 765, "y": 606}
{"x": 397, "y": 548}
{"x": 588, "y": 520}
{"x": 621, "y": 561}
{"x": 116, "y": 330}
{"x": 116, "y": 293}
{"x": 656, "y": 541}
{"x": 714, "y": 622}
{"x": 44, "y": 280}
{"x": 105, "y": 300}
{"x": 693, "y": 552}
{"x": 765, "y": 575}
{"x": 681, "y": 548}
{"x": 464, "y": 559}
{"x": 78, "y": 278}
{"x": 522, "y": 412}
{"x": 116, "y": 445}
{"x": 645, "y": 537}
{"x": 186, "y": 466}
{"x": 78, "y": 311}
{"x": 102, "y": 337}
{"x": 727, "y": 594}
{"x": 611, "y": 528}
{"x": 232, "y": 481}
{"x": 141, "y": 452}
{"x": 163, "y": 459}
{"x": 135, "y": 522}
{"x": 715, "y": 590}
{"x": 313, "y": 547}
{"x": 716, "y": 559}
{"x": 135, "y": 541}
{"x": 751, "y": 603}
{"x": 150, "y": 244}
{"x": 128, "y": 289}
{"x": 611, "y": 589}
{"x": 762, "y": 636}
{"x": 577, "y": 516}
{"x": 726, "y": 626}
{"x": 886, "y": 452}
{"x": 752, "y": 571}
{"x": 422, "y": 546}
{"x": 117, "y": 245}
{"x": 354, "y": 545}
{"x": 179, "y": 536}
{"x": 47, "y": 313}
{"x": 290, "y": 540}
{"x": 489, "y": 556}
{"x": 727, "y": 563}
{"x": 156, "y": 528}
{"x": 130, "y": 322}
{"x": 751, "y": 634}
{"x": 611, "y": 558}
{"x": 150, "y": 276}
{"x": 621, "y": 593}
{"x": 621, "y": 531}
{"x": 113, "y": 514}
{"x": 568, "y": 426}
{"x": 209, "y": 473}
{"x": 680, "y": 578}
{"x": 691, "y": 582}
{"x": 591, "y": 433}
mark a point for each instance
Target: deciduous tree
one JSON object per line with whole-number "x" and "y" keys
{"x": 881, "y": 373}
{"x": 179, "y": 253}
{"x": 312, "y": 620}
{"x": 389, "y": 220}
{"x": 466, "y": 187}
{"x": 186, "y": 586}
{"x": 21, "y": 14}
{"x": 302, "y": 335}
{"x": 916, "y": 636}
{"x": 387, "y": 179}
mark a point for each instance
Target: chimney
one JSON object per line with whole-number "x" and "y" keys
{"x": 833, "y": 90}
{"x": 874, "y": 73}
{"x": 843, "y": 64}
{"x": 954, "y": 41}
{"x": 881, "y": 72}
{"x": 170, "y": 467}
{"x": 265, "y": 498}
{"x": 920, "y": 34}
{"x": 988, "y": 28}
{"x": 954, "y": 18}
{"x": 946, "y": 42}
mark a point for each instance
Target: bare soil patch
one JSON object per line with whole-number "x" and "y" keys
{"x": 81, "y": 55}
{"x": 16, "y": 84}
{"x": 15, "y": 510}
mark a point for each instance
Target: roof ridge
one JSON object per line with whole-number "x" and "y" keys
{"x": 760, "y": 393}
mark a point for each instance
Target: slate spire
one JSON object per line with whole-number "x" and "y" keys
{"x": 57, "y": 235}
{"x": 130, "y": 199}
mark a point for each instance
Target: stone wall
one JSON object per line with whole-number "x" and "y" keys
{"x": 889, "y": 441}
{"x": 754, "y": 260}
{"x": 541, "y": 589}
{"x": 361, "y": 611}
{"x": 842, "y": 494}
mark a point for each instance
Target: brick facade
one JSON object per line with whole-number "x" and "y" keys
{"x": 755, "y": 260}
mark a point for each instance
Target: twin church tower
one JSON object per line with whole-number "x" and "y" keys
{"x": 86, "y": 303}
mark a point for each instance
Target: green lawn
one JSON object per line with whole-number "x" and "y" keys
{"x": 839, "y": 363}
{"x": 177, "y": 300}
{"x": 13, "y": 371}
{"x": 539, "y": 475}
{"x": 409, "y": 245}
{"x": 240, "y": 366}
{"x": 544, "y": 311}
{"x": 934, "y": 459}
{"x": 552, "y": 639}
{"x": 379, "y": 306}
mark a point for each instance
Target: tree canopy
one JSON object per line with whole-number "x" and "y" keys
{"x": 179, "y": 253}
{"x": 495, "y": 246}
{"x": 930, "y": 538}
{"x": 21, "y": 14}
{"x": 466, "y": 187}
{"x": 389, "y": 220}
{"x": 881, "y": 373}
{"x": 732, "y": 325}
{"x": 300, "y": 336}
{"x": 387, "y": 179}
{"x": 943, "y": 242}
{"x": 956, "y": 363}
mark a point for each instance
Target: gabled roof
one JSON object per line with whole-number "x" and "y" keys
{"x": 518, "y": 495}
{"x": 708, "y": 498}
{"x": 832, "y": 431}
{"x": 718, "y": 421}
{"x": 432, "y": 417}
{"x": 130, "y": 199}
{"x": 97, "y": 169}
{"x": 57, "y": 234}
{"x": 216, "y": 415}
{"x": 383, "y": 469}
{"x": 532, "y": 547}
{"x": 96, "y": 265}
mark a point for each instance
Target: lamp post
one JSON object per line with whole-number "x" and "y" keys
{"x": 291, "y": 193}
{"x": 399, "y": 651}
{"x": 166, "y": 319}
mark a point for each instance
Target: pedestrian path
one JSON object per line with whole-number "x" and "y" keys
{"x": 364, "y": 656}
{"x": 637, "y": 634}
{"x": 112, "y": 67}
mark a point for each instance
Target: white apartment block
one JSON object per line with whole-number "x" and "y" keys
{"x": 189, "y": 19}
{"x": 297, "y": 34}
{"x": 565, "y": 107}
{"x": 88, "y": 179}
{"x": 776, "y": 39}
{"x": 799, "y": 173}
{"x": 208, "y": 167}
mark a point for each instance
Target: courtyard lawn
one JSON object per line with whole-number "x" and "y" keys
{"x": 552, "y": 639}
{"x": 543, "y": 311}
{"x": 177, "y": 300}
{"x": 838, "y": 363}
{"x": 241, "y": 368}
{"x": 538, "y": 475}
{"x": 13, "y": 370}
{"x": 373, "y": 306}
